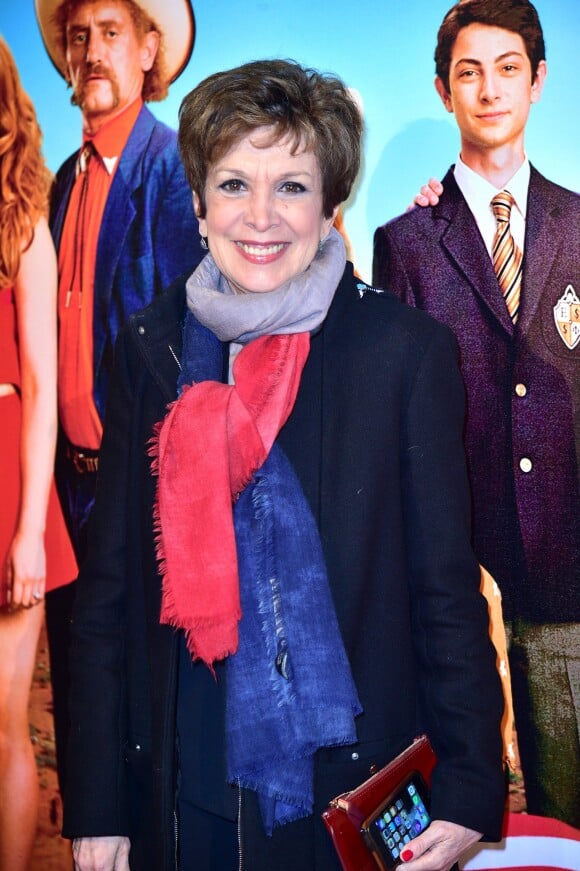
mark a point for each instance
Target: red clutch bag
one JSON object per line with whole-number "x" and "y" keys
{"x": 347, "y": 814}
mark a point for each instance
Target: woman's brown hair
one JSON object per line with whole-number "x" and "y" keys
{"x": 24, "y": 176}
{"x": 314, "y": 110}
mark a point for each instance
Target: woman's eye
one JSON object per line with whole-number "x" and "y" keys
{"x": 292, "y": 187}
{"x": 232, "y": 185}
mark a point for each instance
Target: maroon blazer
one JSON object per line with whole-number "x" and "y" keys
{"x": 523, "y": 384}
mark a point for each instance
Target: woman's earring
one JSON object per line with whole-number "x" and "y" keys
{"x": 321, "y": 245}
{"x": 203, "y": 242}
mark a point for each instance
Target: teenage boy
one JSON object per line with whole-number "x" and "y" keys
{"x": 498, "y": 259}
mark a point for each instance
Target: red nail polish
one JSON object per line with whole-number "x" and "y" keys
{"x": 407, "y": 855}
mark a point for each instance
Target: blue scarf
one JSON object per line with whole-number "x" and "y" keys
{"x": 289, "y": 688}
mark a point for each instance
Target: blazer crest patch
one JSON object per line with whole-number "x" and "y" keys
{"x": 567, "y": 317}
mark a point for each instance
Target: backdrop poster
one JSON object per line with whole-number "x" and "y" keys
{"x": 382, "y": 49}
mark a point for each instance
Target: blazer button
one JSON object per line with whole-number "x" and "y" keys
{"x": 141, "y": 330}
{"x": 354, "y": 756}
{"x": 526, "y": 464}
{"x": 521, "y": 390}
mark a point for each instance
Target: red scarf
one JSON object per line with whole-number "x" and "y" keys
{"x": 206, "y": 450}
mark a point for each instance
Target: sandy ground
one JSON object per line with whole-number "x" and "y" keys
{"x": 51, "y": 852}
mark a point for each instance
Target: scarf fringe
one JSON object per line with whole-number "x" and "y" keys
{"x": 170, "y": 612}
{"x": 256, "y": 784}
{"x": 153, "y": 449}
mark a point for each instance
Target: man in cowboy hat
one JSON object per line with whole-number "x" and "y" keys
{"x": 124, "y": 228}
{"x": 519, "y": 345}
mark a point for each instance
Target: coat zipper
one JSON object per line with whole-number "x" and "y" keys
{"x": 176, "y": 834}
{"x": 240, "y": 847}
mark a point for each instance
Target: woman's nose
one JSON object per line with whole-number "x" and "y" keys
{"x": 261, "y": 213}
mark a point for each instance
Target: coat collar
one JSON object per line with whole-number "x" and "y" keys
{"x": 118, "y": 217}
{"x": 158, "y": 332}
{"x": 462, "y": 241}
{"x": 128, "y": 171}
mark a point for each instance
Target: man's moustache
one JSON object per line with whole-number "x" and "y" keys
{"x": 96, "y": 71}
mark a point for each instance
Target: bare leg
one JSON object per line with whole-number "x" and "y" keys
{"x": 18, "y": 777}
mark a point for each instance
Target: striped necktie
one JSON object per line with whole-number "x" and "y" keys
{"x": 507, "y": 257}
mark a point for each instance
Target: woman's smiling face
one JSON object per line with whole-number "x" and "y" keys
{"x": 264, "y": 217}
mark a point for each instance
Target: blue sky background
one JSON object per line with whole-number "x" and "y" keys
{"x": 383, "y": 48}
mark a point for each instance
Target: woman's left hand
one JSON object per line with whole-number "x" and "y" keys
{"x": 439, "y": 847}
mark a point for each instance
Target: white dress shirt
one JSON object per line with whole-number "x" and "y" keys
{"x": 478, "y": 193}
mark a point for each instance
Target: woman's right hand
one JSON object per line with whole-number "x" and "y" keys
{"x": 106, "y": 853}
{"x": 25, "y": 570}
{"x": 439, "y": 847}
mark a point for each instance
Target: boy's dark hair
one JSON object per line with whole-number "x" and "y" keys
{"x": 519, "y": 16}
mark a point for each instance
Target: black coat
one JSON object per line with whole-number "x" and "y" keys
{"x": 376, "y": 440}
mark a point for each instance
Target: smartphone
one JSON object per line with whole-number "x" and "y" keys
{"x": 401, "y": 817}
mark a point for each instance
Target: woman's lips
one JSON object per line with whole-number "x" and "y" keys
{"x": 261, "y": 252}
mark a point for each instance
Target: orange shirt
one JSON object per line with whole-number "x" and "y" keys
{"x": 76, "y": 268}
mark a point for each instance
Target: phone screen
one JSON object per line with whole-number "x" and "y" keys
{"x": 403, "y": 816}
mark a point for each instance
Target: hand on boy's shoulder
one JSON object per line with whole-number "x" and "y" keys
{"x": 428, "y": 195}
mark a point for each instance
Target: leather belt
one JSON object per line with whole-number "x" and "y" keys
{"x": 84, "y": 460}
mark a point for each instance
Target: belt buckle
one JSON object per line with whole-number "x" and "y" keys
{"x": 83, "y": 463}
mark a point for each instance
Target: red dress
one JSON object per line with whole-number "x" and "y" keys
{"x": 61, "y": 567}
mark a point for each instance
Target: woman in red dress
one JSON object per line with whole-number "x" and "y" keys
{"x": 35, "y": 553}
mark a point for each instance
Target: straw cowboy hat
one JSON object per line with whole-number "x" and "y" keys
{"x": 174, "y": 17}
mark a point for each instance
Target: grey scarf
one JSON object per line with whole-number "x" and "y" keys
{"x": 300, "y": 305}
